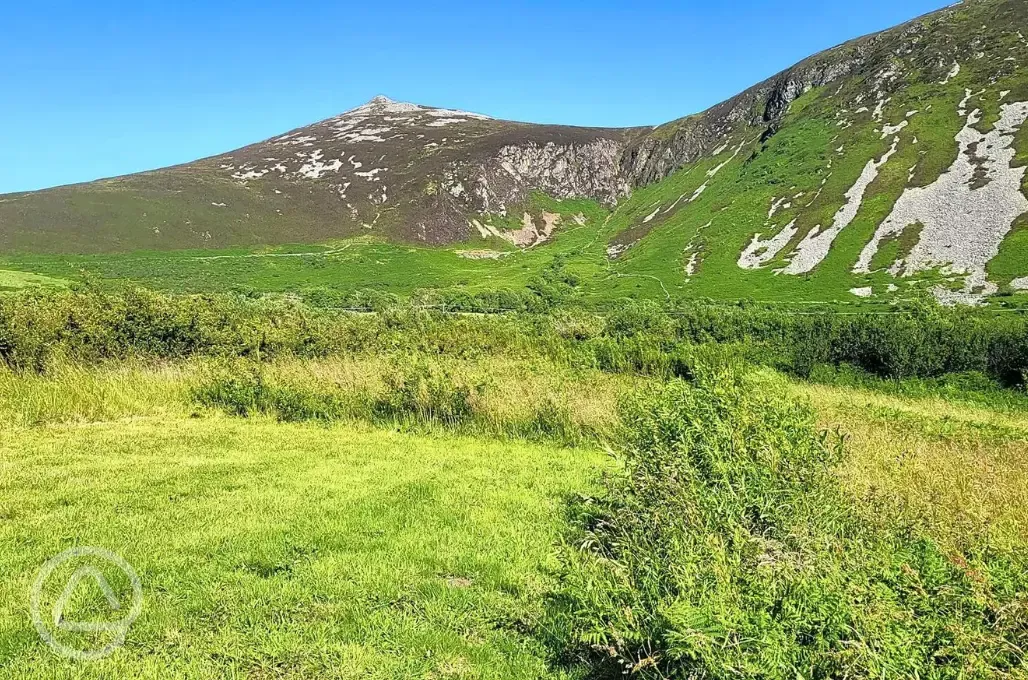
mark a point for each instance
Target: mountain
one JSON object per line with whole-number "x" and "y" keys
{"x": 399, "y": 170}
{"x": 894, "y": 161}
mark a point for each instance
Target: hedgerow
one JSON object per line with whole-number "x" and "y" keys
{"x": 919, "y": 342}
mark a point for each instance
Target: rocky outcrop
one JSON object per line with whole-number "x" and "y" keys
{"x": 590, "y": 170}
{"x": 967, "y": 212}
{"x": 658, "y": 155}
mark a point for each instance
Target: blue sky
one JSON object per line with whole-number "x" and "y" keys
{"x": 101, "y": 88}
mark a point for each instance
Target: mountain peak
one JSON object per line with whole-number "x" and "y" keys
{"x": 391, "y": 105}
{"x": 381, "y": 105}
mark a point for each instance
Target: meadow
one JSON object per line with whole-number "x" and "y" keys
{"x": 662, "y": 492}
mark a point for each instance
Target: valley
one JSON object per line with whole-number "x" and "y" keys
{"x": 416, "y": 392}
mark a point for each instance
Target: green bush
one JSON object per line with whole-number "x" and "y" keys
{"x": 366, "y": 299}
{"x": 640, "y": 318}
{"x": 239, "y": 390}
{"x": 726, "y": 549}
{"x": 421, "y": 391}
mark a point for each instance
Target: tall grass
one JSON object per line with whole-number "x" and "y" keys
{"x": 533, "y": 400}
{"x": 956, "y": 468}
{"x": 71, "y": 393}
{"x": 496, "y": 396}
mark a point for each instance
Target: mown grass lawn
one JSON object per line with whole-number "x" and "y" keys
{"x": 274, "y": 550}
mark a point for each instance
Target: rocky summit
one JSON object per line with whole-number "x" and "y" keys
{"x": 892, "y": 162}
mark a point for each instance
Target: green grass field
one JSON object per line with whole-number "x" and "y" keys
{"x": 271, "y": 549}
{"x": 274, "y": 550}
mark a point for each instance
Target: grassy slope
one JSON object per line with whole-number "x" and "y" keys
{"x": 797, "y": 160}
{"x": 166, "y": 207}
{"x": 361, "y": 263}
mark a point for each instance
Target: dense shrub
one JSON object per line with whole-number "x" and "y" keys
{"x": 240, "y": 391}
{"x": 916, "y": 343}
{"x": 726, "y": 549}
{"x": 640, "y": 318}
{"x": 365, "y": 299}
{"x": 481, "y": 302}
{"x": 94, "y": 325}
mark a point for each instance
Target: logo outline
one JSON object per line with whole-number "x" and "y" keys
{"x": 118, "y": 628}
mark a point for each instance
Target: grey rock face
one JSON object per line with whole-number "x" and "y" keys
{"x": 589, "y": 170}
{"x": 677, "y": 144}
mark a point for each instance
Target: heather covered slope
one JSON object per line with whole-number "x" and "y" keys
{"x": 393, "y": 170}
{"x": 888, "y": 165}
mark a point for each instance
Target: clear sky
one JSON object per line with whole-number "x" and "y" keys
{"x": 108, "y": 87}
